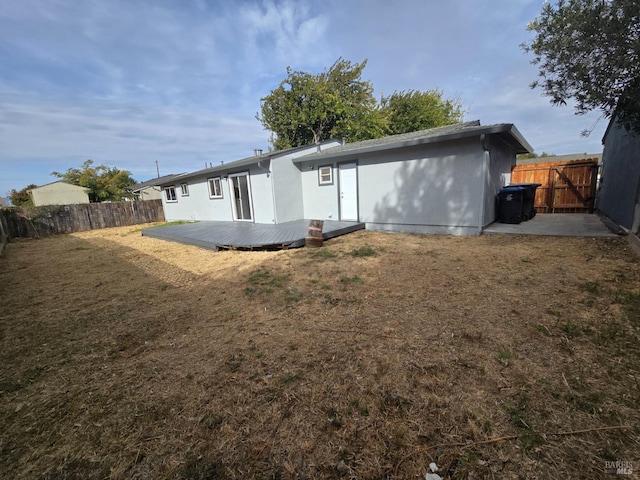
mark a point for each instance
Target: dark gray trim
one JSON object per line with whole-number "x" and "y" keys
{"x": 154, "y": 182}
{"x": 435, "y": 135}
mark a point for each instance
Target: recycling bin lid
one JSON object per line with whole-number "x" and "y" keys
{"x": 512, "y": 188}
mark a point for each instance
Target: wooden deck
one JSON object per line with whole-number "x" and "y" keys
{"x": 247, "y": 236}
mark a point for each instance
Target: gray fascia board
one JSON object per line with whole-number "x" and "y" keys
{"x": 471, "y": 132}
{"x": 225, "y": 167}
{"x": 520, "y": 139}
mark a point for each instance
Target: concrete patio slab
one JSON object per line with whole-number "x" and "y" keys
{"x": 555, "y": 224}
{"x": 248, "y": 236}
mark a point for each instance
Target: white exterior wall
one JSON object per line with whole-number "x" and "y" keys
{"x": 262, "y": 195}
{"x": 320, "y": 202}
{"x": 198, "y": 206}
{"x": 426, "y": 189}
{"x": 288, "y": 185}
{"x": 502, "y": 159}
{"x": 277, "y": 174}
{"x": 59, "y": 193}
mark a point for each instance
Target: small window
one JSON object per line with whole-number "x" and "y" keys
{"x": 215, "y": 188}
{"x": 170, "y": 194}
{"x": 325, "y": 175}
{"x": 184, "y": 189}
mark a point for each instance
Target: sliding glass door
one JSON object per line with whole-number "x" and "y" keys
{"x": 241, "y": 197}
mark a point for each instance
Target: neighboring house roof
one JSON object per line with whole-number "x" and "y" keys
{"x": 63, "y": 182}
{"x": 153, "y": 182}
{"x": 507, "y": 131}
{"x": 245, "y": 162}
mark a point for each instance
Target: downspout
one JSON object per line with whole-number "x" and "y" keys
{"x": 485, "y": 176}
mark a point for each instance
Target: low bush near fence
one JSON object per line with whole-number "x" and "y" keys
{"x": 35, "y": 222}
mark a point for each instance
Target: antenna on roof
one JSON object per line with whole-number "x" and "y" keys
{"x": 157, "y": 169}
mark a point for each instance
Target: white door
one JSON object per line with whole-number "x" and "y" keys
{"x": 241, "y": 197}
{"x": 348, "y": 183}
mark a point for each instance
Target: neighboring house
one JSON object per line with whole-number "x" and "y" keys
{"x": 619, "y": 195}
{"x": 59, "y": 193}
{"x": 441, "y": 180}
{"x": 149, "y": 190}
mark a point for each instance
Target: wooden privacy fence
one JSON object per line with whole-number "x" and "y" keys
{"x": 3, "y": 233}
{"x": 35, "y": 222}
{"x": 567, "y": 187}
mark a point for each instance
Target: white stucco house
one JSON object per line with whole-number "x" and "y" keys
{"x": 441, "y": 180}
{"x": 59, "y": 193}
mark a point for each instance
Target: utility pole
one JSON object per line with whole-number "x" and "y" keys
{"x": 157, "y": 169}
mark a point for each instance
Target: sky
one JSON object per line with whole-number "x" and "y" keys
{"x": 128, "y": 83}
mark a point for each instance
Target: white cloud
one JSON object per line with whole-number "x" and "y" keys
{"x": 130, "y": 82}
{"x": 286, "y": 31}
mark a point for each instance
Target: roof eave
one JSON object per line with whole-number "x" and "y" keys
{"x": 243, "y": 163}
{"x": 488, "y": 130}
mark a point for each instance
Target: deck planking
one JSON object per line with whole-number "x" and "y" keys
{"x": 246, "y": 235}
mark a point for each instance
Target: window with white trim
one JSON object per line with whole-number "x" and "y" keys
{"x": 170, "y": 194}
{"x": 215, "y": 187}
{"x": 184, "y": 189}
{"x": 325, "y": 175}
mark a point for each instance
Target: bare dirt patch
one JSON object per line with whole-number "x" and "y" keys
{"x": 130, "y": 357}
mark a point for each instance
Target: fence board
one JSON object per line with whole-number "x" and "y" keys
{"x": 566, "y": 187}
{"x": 37, "y": 222}
{"x": 3, "y": 233}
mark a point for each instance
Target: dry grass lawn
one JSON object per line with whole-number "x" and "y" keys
{"x": 126, "y": 357}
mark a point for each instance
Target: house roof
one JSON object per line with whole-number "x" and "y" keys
{"x": 506, "y": 131}
{"x": 238, "y": 164}
{"x": 153, "y": 182}
{"x": 63, "y": 182}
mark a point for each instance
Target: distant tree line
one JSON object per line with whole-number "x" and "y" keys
{"x": 105, "y": 184}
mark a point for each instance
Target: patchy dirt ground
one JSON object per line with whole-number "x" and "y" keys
{"x": 129, "y": 357}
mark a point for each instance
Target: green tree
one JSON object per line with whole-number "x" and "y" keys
{"x": 526, "y": 156}
{"x": 414, "y": 110}
{"x": 337, "y": 103}
{"x": 21, "y": 198}
{"x": 104, "y": 183}
{"x": 308, "y": 108}
{"x": 589, "y": 51}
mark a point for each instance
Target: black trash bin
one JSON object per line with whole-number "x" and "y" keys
{"x": 528, "y": 202}
{"x": 510, "y": 203}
